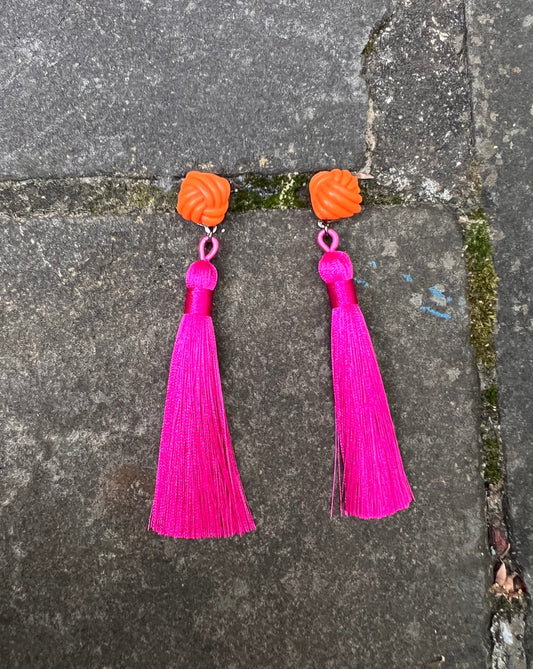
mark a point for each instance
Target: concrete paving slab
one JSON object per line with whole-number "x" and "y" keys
{"x": 157, "y": 87}
{"x": 419, "y": 128}
{"x": 501, "y": 55}
{"x": 90, "y": 310}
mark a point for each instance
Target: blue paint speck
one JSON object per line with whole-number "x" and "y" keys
{"x": 372, "y": 263}
{"x": 436, "y": 292}
{"x": 448, "y": 299}
{"x": 435, "y": 313}
{"x": 408, "y": 278}
{"x": 362, "y": 282}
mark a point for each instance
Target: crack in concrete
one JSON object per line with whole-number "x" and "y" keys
{"x": 370, "y": 134}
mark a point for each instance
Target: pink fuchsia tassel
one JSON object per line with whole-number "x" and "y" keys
{"x": 198, "y": 490}
{"x": 368, "y": 465}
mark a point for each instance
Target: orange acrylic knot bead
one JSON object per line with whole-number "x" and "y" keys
{"x": 204, "y": 198}
{"x": 335, "y": 194}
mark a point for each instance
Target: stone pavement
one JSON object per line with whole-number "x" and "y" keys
{"x": 503, "y": 94}
{"x": 104, "y": 108}
{"x": 158, "y": 87}
{"x": 93, "y": 307}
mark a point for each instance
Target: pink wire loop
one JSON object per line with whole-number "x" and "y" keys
{"x": 334, "y": 240}
{"x": 214, "y": 248}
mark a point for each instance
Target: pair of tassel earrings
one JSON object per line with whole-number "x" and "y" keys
{"x": 198, "y": 490}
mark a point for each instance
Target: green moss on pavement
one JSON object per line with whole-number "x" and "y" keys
{"x": 283, "y": 191}
{"x": 493, "y": 471}
{"x": 482, "y": 286}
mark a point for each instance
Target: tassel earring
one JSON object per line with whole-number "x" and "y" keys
{"x": 368, "y": 469}
{"x": 198, "y": 491}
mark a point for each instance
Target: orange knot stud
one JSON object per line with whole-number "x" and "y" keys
{"x": 203, "y": 198}
{"x": 335, "y": 194}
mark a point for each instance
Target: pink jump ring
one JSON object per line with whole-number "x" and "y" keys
{"x": 214, "y": 248}
{"x": 334, "y": 240}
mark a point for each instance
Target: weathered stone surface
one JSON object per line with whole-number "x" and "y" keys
{"x": 90, "y": 310}
{"x": 420, "y": 115}
{"x": 159, "y": 87}
{"x": 501, "y": 53}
